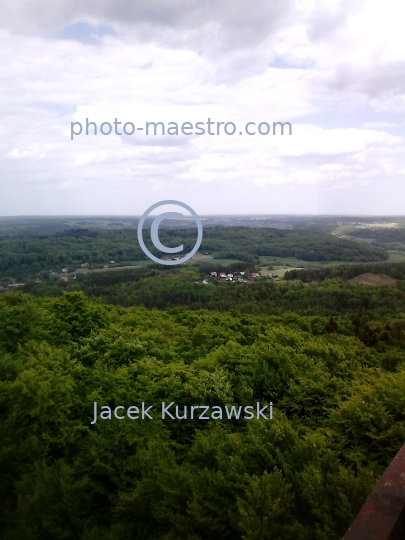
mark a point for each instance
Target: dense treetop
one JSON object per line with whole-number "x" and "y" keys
{"x": 337, "y": 385}
{"x": 328, "y": 354}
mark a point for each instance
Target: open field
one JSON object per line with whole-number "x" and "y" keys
{"x": 281, "y": 265}
{"x": 222, "y": 262}
{"x": 136, "y": 264}
{"x": 357, "y": 239}
{"x": 202, "y": 257}
{"x": 373, "y": 279}
{"x": 279, "y": 270}
{"x": 86, "y": 271}
{"x": 342, "y": 229}
{"x": 292, "y": 262}
{"x": 357, "y": 226}
{"x": 396, "y": 256}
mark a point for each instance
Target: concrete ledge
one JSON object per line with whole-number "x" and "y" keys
{"x": 383, "y": 514}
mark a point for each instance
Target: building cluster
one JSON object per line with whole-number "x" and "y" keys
{"x": 240, "y": 277}
{"x": 10, "y": 286}
{"x": 177, "y": 258}
{"x": 227, "y": 277}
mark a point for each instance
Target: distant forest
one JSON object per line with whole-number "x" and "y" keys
{"x": 329, "y": 355}
{"x": 346, "y": 272}
{"x": 381, "y": 236}
{"x": 27, "y": 255}
{"x": 154, "y": 287}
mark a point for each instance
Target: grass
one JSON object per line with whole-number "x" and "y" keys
{"x": 136, "y": 264}
{"x": 342, "y": 229}
{"x": 358, "y": 239}
{"x": 223, "y": 262}
{"x": 373, "y": 279}
{"x": 202, "y": 257}
{"x": 279, "y": 270}
{"x": 396, "y": 256}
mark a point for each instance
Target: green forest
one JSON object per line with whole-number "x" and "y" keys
{"x": 22, "y": 255}
{"x": 346, "y": 272}
{"x": 327, "y": 353}
{"x": 337, "y": 385}
{"x": 154, "y": 287}
{"x": 384, "y": 236}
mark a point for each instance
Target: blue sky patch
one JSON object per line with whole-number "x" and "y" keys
{"x": 86, "y": 33}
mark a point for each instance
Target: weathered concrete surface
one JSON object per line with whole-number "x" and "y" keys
{"x": 383, "y": 514}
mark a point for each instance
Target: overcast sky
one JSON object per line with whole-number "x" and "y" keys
{"x": 334, "y": 69}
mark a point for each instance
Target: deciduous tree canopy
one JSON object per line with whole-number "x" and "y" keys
{"x": 337, "y": 386}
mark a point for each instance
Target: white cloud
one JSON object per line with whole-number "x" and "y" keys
{"x": 190, "y": 61}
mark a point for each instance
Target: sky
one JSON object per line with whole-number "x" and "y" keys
{"x": 333, "y": 69}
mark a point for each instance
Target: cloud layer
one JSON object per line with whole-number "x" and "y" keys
{"x": 333, "y": 69}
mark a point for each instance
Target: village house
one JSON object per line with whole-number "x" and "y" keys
{"x": 255, "y": 275}
{"x": 214, "y": 274}
{"x": 64, "y": 270}
{"x": 222, "y": 275}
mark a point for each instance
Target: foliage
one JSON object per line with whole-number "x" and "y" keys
{"x": 302, "y": 244}
{"x": 384, "y": 236}
{"x": 337, "y": 385}
{"x": 346, "y": 272}
{"x": 29, "y": 255}
{"x": 167, "y": 288}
